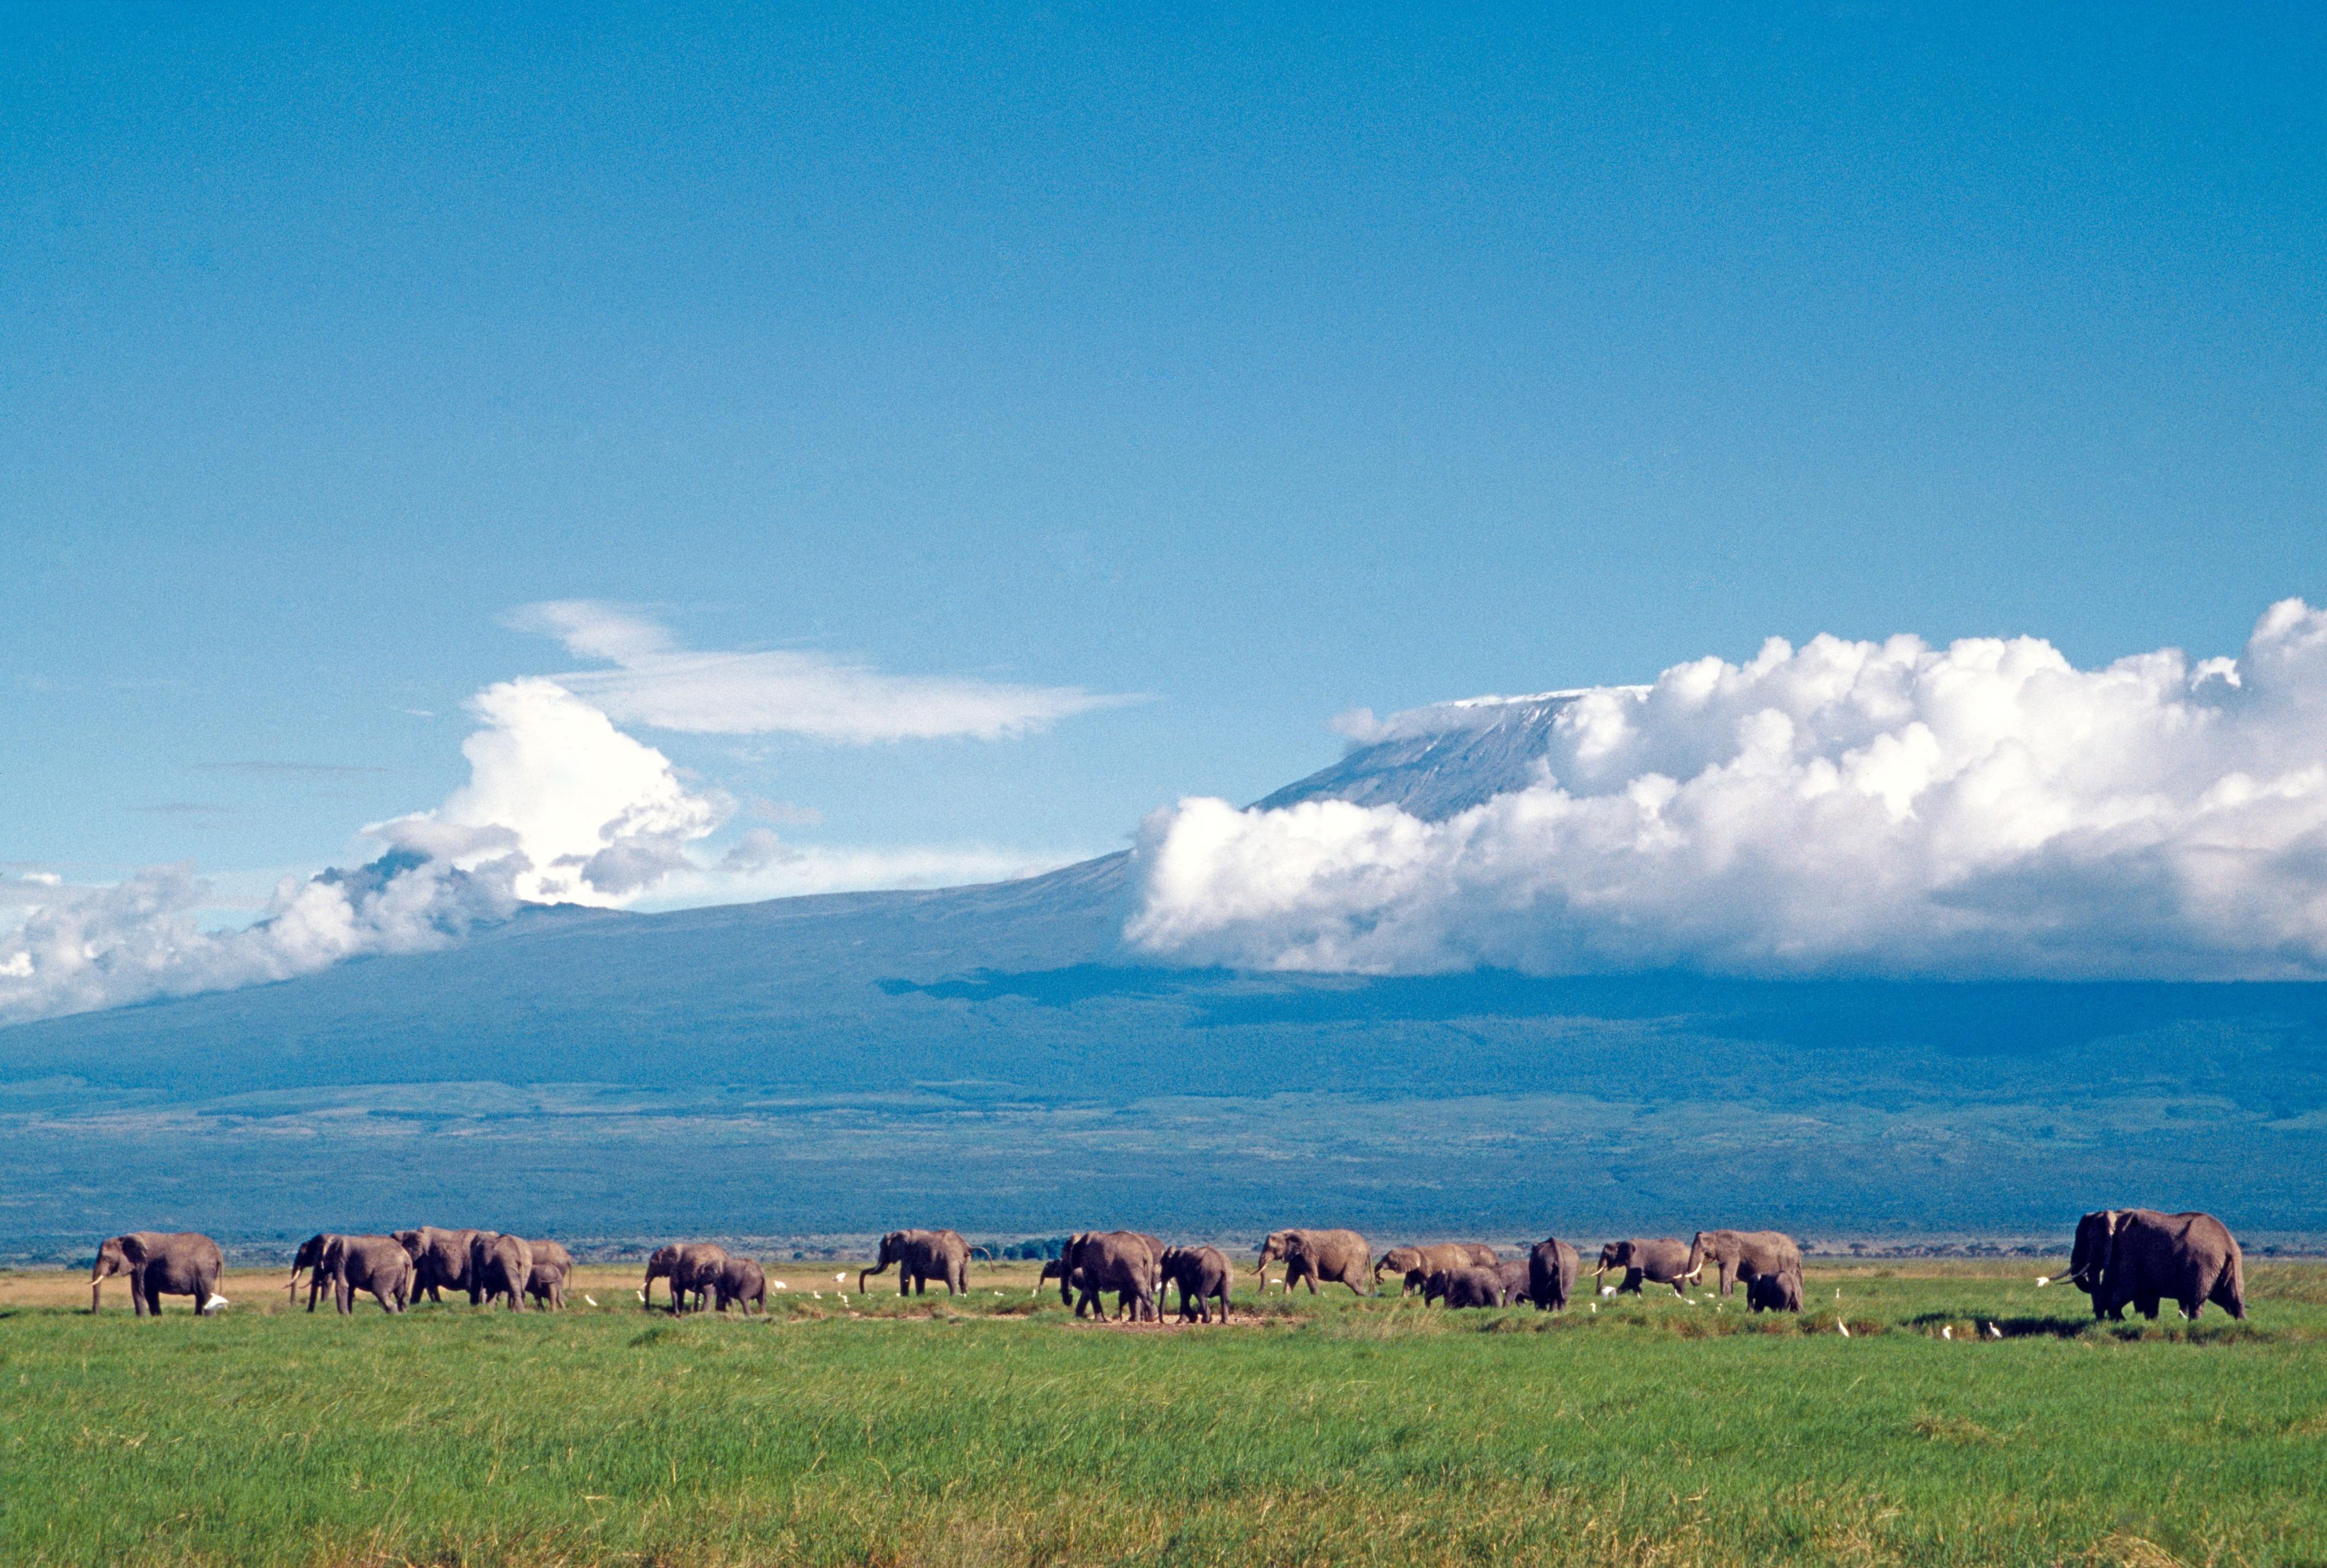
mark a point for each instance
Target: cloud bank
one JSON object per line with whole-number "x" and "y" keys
{"x": 560, "y": 806}
{"x": 1845, "y": 807}
{"x": 665, "y": 686}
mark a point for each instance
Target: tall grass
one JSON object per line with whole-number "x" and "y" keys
{"x": 1648, "y": 1432}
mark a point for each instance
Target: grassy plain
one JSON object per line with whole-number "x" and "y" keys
{"x": 995, "y": 1430}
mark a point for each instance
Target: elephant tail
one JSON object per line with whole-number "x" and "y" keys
{"x": 2231, "y": 1291}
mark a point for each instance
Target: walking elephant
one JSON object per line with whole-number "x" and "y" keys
{"x": 1552, "y": 1266}
{"x": 1468, "y": 1286}
{"x": 689, "y": 1265}
{"x": 1413, "y": 1265}
{"x": 1741, "y": 1254}
{"x": 1332, "y": 1256}
{"x": 2139, "y": 1258}
{"x": 1663, "y": 1258}
{"x": 740, "y": 1280}
{"x": 310, "y": 1257}
{"x": 1121, "y": 1261}
{"x": 1775, "y": 1292}
{"x": 499, "y": 1266}
{"x": 440, "y": 1260}
{"x": 157, "y": 1263}
{"x": 1204, "y": 1276}
{"x": 377, "y": 1264}
{"x": 920, "y": 1256}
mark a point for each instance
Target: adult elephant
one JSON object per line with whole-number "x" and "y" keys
{"x": 1413, "y": 1264}
{"x": 920, "y": 1256}
{"x": 377, "y": 1264}
{"x": 1465, "y": 1287}
{"x": 1661, "y": 1258}
{"x": 440, "y": 1260}
{"x": 310, "y": 1257}
{"x": 2139, "y": 1258}
{"x": 1775, "y": 1292}
{"x": 1332, "y": 1256}
{"x": 1741, "y": 1254}
{"x": 160, "y": 1263}
{"x": 1552, "y": 1266}
{"x": 739, "y": 1279}
{"x": 1204, "y": 1276}
{"x": 689, "y": 1265}
{"x": 1122, "y": 1261}
{"x": 499, "y": 1266}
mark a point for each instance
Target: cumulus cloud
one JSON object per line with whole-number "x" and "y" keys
{"x": 596, "y": 816}
{"x": 560, "y": 806}
{"x": 659, "y": 684}
{"x": 1855, "y": 807}
{"x": 84, "y": 947}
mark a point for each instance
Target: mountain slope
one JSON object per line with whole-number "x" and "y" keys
{"x": 989, "y": 1057}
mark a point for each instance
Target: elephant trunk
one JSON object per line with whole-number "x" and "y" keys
{"x": 95, "y": 1289}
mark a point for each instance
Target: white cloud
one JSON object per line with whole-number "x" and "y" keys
{"x": 761, "y": 867}
{"x": 596, "y": 816}
{"x": 1844, "y": 808}
{"x": 659, "y": 684}
{"x": 87, "y": 947}
{"x": 560, "y": 806}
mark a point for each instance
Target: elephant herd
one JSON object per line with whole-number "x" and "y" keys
{"x": 2135, "y": 1258}
{"x": 1138, "y": 1268}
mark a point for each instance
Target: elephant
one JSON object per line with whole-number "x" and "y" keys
{"x": 440, "y": 1260}
{"x": 553, "y": 1265}
{"x": 500, "y": 1265}
{"x": 689, "y": 1265}
{"x": 1121, "y": 1261}
{"x": 310, "y": 1256}
{"x": 2139, "y": 1258}
{"x": 377, "y": 1264}
{"x": 1416, "y": 1263}
{"x": 1663, "y": 1258}
{"x": 1467, "y": 1286}
{"x": 920, "y": 1256}
{"x": 1515, "y": 1274}
{"x": 739, "y": 1279}
{"x": 1741, "y": 1255}
{"x": 1552, "y": 1266}
{"x": 1204, "y": 1275}
{"x": 1775, "y": 1292}
{"x": 1334, "y": 1257}
{"x": 545, "y": 1287}
{"x": 181, "y": 1263}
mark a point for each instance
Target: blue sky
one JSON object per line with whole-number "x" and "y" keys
{"x": 1254, "y": 364}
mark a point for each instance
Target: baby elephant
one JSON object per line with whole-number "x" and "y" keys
{"x": 1202, "y": 1274}
{"x": 740, "y": 1279}
{"x": 1775, "y": 1292}
{"x": 1464, "y": 1287}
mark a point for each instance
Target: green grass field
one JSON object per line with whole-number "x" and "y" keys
{"x": 996, "y": 1429}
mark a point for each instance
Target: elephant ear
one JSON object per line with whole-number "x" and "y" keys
{"x": 133, "y": 1248}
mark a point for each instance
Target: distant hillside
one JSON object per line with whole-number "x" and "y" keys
{"x": 988, "y": 1058}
